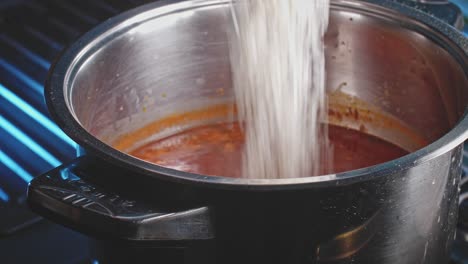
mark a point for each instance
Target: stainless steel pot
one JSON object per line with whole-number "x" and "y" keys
{"x": 383, "y": 58}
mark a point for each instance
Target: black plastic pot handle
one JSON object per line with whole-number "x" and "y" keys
{"x": 64, "y": 196}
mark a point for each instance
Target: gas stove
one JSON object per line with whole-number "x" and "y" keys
{"x": 32, "y": 34}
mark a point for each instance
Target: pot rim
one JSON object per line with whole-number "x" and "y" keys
{"x": 58, "y": 81}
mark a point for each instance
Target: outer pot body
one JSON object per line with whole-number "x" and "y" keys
{"x": 171, "y": 58}
{"x": 408, "y": 216}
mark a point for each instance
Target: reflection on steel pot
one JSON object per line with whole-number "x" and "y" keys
{"x": 404, "y": 72}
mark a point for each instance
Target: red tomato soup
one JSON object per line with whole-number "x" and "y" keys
{"x": 216, "y": 150}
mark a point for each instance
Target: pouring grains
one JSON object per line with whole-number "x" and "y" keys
{"x": 279, "y": 75}
{"x": 278, "y": 66}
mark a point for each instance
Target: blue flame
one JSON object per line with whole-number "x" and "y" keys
{"x": 34, "y": 57}
{"x": 13, "y": 166}
{"x": 39, "y": 35}
{"x": 4, "y": 196}
{"x": 23, "y": 77}
{"x": 36, "y": 115}
{"x": 28, "y": 142}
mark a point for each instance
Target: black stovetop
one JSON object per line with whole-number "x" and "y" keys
{"x": 32, "y": 34}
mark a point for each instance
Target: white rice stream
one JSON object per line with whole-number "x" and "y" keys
{"x": 278, "y": 65}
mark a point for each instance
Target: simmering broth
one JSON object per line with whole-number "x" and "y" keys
{"x": 216, "y": 150}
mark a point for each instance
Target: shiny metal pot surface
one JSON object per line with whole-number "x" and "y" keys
{"x": 383, "y": 58}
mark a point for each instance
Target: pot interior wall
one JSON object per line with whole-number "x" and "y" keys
{"x": 157, "y": 64}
